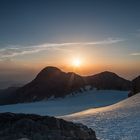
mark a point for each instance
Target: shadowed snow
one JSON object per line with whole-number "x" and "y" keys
{"x": 70, "y": 104}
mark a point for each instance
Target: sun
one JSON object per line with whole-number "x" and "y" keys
{"x": 76, "y": 62}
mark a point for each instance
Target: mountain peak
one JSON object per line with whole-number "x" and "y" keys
{"x": 50, "y": 69}
{"x": 47, "y": 72}
{"x": 108, "y": 73}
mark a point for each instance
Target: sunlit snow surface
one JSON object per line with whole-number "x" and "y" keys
{"x": 120, "y": 121}
{"x": 70, "y": 104}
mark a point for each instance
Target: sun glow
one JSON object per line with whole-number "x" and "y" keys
{"x": 76, "y": 62}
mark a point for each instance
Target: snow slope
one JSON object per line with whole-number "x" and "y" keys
{"x": 120, "y": 121}
{"x": 70, "y": 104}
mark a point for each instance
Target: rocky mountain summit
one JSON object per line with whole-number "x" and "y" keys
{"x": 35, "y": 127}
{"x": 108, "y": 80}
{"x": 50, "y": 82}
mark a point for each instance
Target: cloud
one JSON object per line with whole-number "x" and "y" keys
{"x": 12, "y": 51}
{"x": 135, "y": 54}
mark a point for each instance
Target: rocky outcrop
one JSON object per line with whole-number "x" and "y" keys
{"x": 135, "y": 86}
{"x": 35, "y": 127}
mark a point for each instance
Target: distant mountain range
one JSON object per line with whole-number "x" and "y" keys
{"x": 52, "y": 82}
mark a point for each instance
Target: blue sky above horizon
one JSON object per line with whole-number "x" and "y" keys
{"x": 37, "y": 33}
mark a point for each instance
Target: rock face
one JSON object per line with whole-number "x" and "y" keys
{"x": 52, "y": 82}
{"x": 35, "y": 127}
{"x": 135, "y": 86}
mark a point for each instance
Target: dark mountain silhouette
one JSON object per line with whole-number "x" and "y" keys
{"x": 108, "y": 80}
{"x": 7, "y": 95}
{"x": 135, "y": 86}
{"x": 52, "y": 82}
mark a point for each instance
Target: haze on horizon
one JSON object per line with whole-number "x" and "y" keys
{"x": 102, "y": 35}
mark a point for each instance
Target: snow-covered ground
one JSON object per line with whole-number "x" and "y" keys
{"x": 70, "y": 104}
{"x": 120, "y": 121}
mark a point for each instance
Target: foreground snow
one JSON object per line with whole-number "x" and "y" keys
{"x": 70, "y": 104}
{"x": 120, "y": 121}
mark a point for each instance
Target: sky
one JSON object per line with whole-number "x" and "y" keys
{"x": 102, "y": 34}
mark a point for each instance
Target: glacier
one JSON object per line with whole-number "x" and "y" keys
{"x": 70, "y": 104}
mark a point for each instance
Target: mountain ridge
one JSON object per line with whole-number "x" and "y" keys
{"x": 51, "y": 81}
